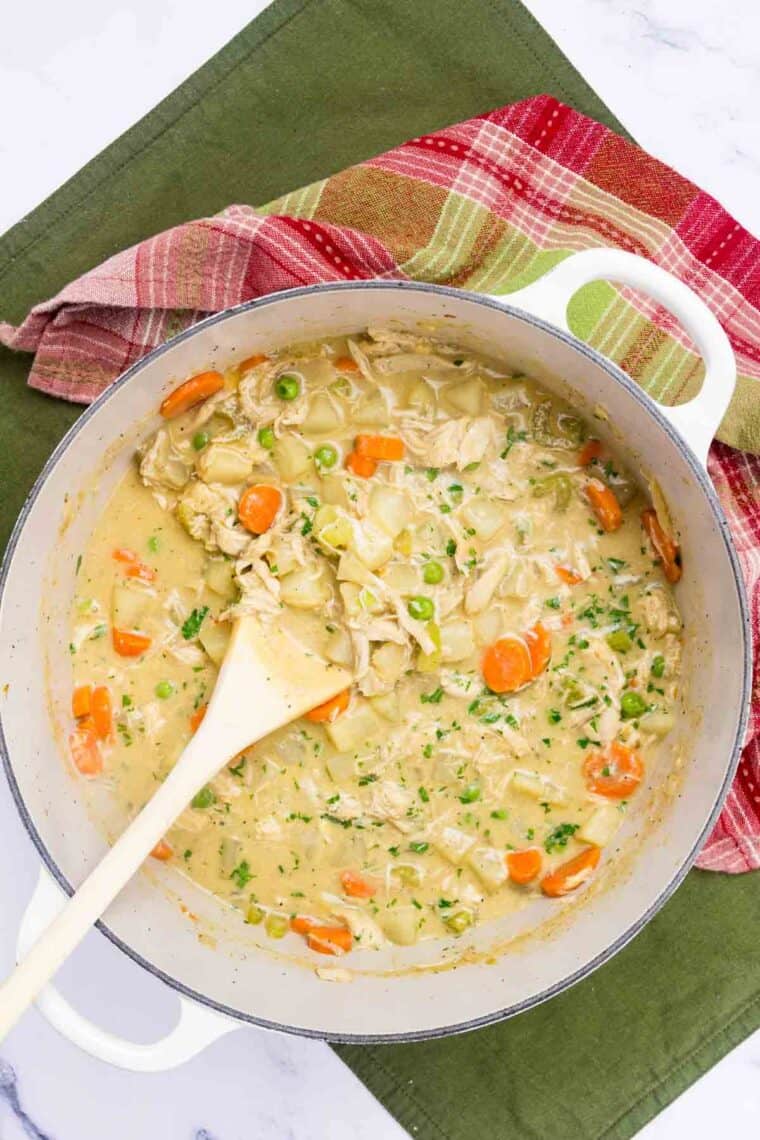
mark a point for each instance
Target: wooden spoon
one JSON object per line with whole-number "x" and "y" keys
{"x": 267, "y": 679}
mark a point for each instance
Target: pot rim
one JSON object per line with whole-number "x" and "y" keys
{"x": 701, "y": 477}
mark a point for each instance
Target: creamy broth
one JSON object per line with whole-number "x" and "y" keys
{"x": 457, "y": 538}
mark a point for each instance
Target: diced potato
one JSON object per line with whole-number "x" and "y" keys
{"x": 659, "y": 723}
{"x": 371, "y": 545}
{"x": 365, "y": 930}
{"x": 291, "y": 457}
{"x": 341, "y": 766}
{"x": 401, "y": 924}
{"x": 130, "y": 605}
{"x": 224, "y": 463}
{"x": 371, "y": 412}
{"x": 334, "y": 491}
{"x": 305, "y": 589}
{"x": 466, "y": 396}
{"x": 457, "y": 641}
{"x": 349, "y": 592}
{"x": 388, "y": 705}
{"x": 282, "y": 554}
{"x": 220, "y": 577}
{"x": 357, "y": 726}
{"x": 421, "y": 398}
{"x": 488, "y": 627}
{"x": 389, "y": 660}
{"x": 339, "y": 649}
{"x": 322, "y": 416}
{"x": 485, "y": 516}
{"x": 390, "y": 509}
{"x": 350, "y": 569}
{"x": 537, "y": 786}
{"x": 489, "y": 865}
{"x": 214, "y": 636}
{"x": 402, "y": 577}
{"x": 601, "y": 825}
{"x": 453, "y": 844}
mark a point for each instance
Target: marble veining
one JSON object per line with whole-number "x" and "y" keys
{"x": 9, "y": 1095}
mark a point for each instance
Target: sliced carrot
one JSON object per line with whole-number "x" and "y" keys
{"x": 361, "y": 465}
{"x": 568, "y": 576}
{"x": 346, "y": 364}
{"x": 571, "y": 875}
{"x": 163, "y": 851}
{"x": 591, "y": 450}
{"x": 102, "y": 714}
{"x": 330, "y": 710}
{"x": 141, "y": 571}
{"x": 133, "y": 566}
{"x": 667, "y": 551}
{"x": 252, "y": 362}
{"x": 258, "y": 507}
{"x": 616, "y": 772}
{"x": 197, "y": 718}
{"x": 356, "y": 886}
{"x": 604, "y": 504}
{"x": 506, "y": 665}
{"x": 301, "y": 924}
{"x": 329, "y": 939}
{"x": 192, "y": 392}
{"x": 124, "y": 554}
{"x": 130, "y": 643}
{"x": 81, "y": 701}
{"x": 85, "y": 753}
{"x": 523, "y": 866}
{"x": 380, "y": 447}
{"x": 539, "y": 642}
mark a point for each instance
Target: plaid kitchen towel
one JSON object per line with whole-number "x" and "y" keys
{"x": 488, "y": 204}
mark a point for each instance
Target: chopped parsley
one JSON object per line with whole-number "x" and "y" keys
{"x": 557, "y": 839}
{"x": 242, "y": 874}
{"x": 433, "y": 698}
{"x": 191, "y": 627}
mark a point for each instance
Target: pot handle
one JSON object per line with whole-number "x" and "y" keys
{"x": 548, "y": 298}
{"x": 196, "y": 1028}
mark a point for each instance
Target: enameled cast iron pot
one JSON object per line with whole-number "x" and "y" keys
{"x": 233, "y": 983}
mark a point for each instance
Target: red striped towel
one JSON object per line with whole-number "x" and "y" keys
{"x": 487, "y": 204}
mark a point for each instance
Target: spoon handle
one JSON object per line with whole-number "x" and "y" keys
{"x": 102, "y": 886}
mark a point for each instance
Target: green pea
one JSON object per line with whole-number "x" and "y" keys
{"x": 433, "y": 573}
{"x": 658, "y": 666}
{"x": 288, "y": 387}
{"x": 200, "y": 440}
{"x": 266, "y": 438}
{"x": 632, "y": 705}
{"x": 276, "y": 925}
{"x": 326, "y": 456}
{"x": 459, "y": 921}
{"x": 254, "y": 915}
{"x": 619, "y": 640}
{"x": 164, "y": 690}
{"x": 420, "y": 608}
{"x": 203, "y": 799}
{"x": 470, "y": 794}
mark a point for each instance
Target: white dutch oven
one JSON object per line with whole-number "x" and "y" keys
{"x": 234, "y": 982}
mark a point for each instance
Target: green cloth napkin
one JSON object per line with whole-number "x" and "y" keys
{"x": 309, "y": 87}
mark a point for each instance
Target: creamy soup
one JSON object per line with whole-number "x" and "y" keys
{"x": 492, "y": 575}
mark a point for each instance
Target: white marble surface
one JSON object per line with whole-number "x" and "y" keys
{"x": 684, "y": 76}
